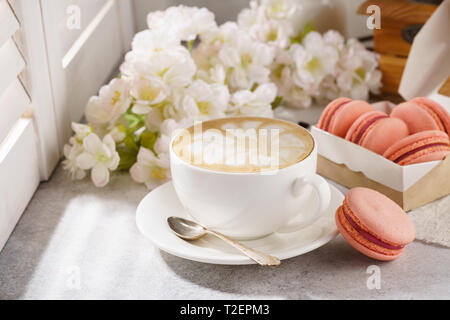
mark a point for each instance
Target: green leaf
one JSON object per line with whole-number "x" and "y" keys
{"x": 190, "y": 44}
{"x": 148, "y": 139}
{"x": 130, "y": 143}
{"x": 134, "y": 121}
{"x": 127, "y": 158}
{"x": 302, "y": 34}
{"x": 277, "y": 102}
{"x": 128, "y": 150}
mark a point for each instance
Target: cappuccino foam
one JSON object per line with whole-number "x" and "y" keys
{"x": 243, "y": 144}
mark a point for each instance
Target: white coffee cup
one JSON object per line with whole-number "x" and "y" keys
{"x": 250, "y": 205}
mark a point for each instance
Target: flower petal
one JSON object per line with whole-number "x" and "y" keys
{"x": 86, "y": 161}
{"x": 146, "y": 156}
{"x": 140, "y": 173}
{"x": 113, "y": 162}
{"x": 140, "y": 108}
{"x": 110, "y": 143}
{"x": 93, "y": 144}
{"x": 100, "y": 175}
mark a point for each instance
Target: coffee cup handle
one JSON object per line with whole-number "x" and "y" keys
{"x": 320, "y": 185}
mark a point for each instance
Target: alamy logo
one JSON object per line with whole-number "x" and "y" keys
{"x": 374, "y": 280}
{"x": 73, "y": 280}
{"x": 232, "y": 146}
{"x": 374, "y": 20}
{"x": 73, "y": 21}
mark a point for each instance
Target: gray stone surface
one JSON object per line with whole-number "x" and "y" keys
{"x": 76, "y": 241}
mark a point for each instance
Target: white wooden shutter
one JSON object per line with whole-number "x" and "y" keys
{"x": 19, "y": 151}
{"x": 82, "y": 60}
{"x": 48, "y": 72}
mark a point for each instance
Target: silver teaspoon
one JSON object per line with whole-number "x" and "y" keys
{"x": 190, "y": 230}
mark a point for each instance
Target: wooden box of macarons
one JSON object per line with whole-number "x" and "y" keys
{"x": 402, "y": 151}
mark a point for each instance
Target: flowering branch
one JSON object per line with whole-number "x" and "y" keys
{"x": 185, "y": 67}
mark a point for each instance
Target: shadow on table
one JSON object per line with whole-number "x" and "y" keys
{"x": 61, "y": 214}
{"x": 333, "y": 271}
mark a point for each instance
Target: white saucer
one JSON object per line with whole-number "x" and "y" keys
{"x": 162, "y": 202}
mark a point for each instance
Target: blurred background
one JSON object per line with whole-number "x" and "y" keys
{"x": 326, "y": 14}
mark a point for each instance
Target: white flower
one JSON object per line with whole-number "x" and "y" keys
{"x": 297, "y": 98}
{"x": 263, "y": 26}
{"x": 183, "y": 22}
{"x": 147, "y": 92}
{"x": 334, "y": 38}
{"x": 280, "y": 9}
{"x": 100, "y": 156}
{"x": 162, "y": 144}
{"x": 81, "y": 131}
{"x": 252, "y": 18}
{"x": 275, "y": 33}
{"x": 113, "y": 100}
{"x": 150, "y": 169}
{"x": 213, "y": 75}
{"x": 175, "y": 68}
{"x": 247, "y": 62}
{"x": 203, "y": 101}
{"x": 153, "y": 41}
{"x": 256, "y": 103}
{"x": 168, "y": 128}
{"x": 225, "y": 33}
{"x": 217, "y": 74}
{"x": 71, "y": 152}
{"x": 329, "y": 89}
{"x": 206, "y": 54}
{"x": 154, "y": 118}
{"x": 118, "y": 133}
{"x": 169, "y": 109}
{"x": 314, "y": 60}
{"x": 357, "y": 73}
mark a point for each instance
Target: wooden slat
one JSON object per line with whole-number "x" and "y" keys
{"x": 90, "y": 62}
{"x": 102, "y": 51}
{"x": 12, "y": 104}
{"x": 88, "y": 10}
{"x": 400, "y": 10}
{"x": 83, "y": 37}
{"x": 8, "y": 22}
{"x": 126, "y": 14}
{"x": 30, "y": 40}
{"x": 19, "y": 172}
{"x": 392, "y": 70}
{"x": 11, "y": 64}
{"x": 389, "y": 38}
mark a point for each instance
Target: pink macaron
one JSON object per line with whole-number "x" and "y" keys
{"x": 422, "y": 114}
{"x": 374, "y": 224}
{"x": 420, "y": 147}
{"x": 376, "y": 131}
{"x": 340, "y": 113}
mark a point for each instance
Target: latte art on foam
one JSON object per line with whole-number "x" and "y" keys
{"x": 245, "y": 144}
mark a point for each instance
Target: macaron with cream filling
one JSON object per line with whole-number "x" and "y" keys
{"x": 421, "y": 114}
{"x": 374, "y": 224}
{"x": 376, "y": 131}
{"x": 430, "y": 145}
{"x": 340, "y": 114}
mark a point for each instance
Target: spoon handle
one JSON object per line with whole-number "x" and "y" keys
{"x": 261, "y": 258}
